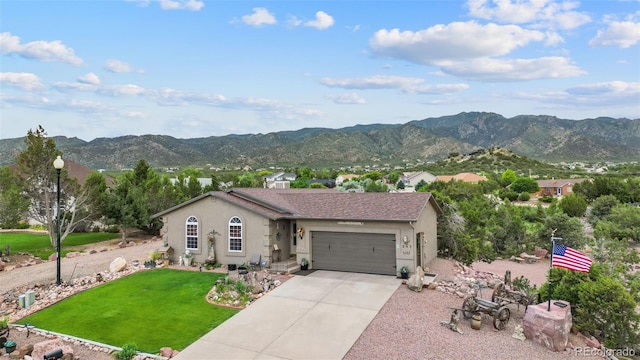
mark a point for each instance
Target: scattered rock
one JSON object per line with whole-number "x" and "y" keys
{"x": 117, "y": 265}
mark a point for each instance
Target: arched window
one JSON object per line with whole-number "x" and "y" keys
{"x": 192, "y": 233}
{"x": 235, "y": 234}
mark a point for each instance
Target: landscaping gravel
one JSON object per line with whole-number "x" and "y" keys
{"x": 407, "y": 327}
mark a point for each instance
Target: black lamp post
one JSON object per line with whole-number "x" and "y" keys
{"x": 58, "y": 163}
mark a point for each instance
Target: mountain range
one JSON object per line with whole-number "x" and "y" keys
{"x": 540, "y": 137}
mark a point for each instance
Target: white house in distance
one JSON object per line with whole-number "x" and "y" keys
{"x": 413, "y": 178}
{"x": 279, "y": 180}
{"x": 374, "y": 233}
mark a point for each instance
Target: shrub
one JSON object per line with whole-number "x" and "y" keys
{"x": 129, "y": 350}
{"x": 524, "y": 196}
{"x": 546, "y": 199}
{"x": 573, "y": 205}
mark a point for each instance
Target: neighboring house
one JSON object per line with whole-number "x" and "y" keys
{"x": 359, "y": 232}
{"x": 279, "y": 180}
{"x": 413, "y": 178}
{"x": 466, "y": 177}
{"x": 557, "y": 187}
{"x": 340, "y": 179}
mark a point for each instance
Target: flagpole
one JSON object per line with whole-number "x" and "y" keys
{"x": 553, "y": 246}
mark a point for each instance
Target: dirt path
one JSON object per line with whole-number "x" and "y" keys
{"x": 83, "y": 265}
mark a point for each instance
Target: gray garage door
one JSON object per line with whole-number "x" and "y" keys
{"x": 355, "y": 252}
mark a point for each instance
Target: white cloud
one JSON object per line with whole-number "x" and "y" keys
{"x": 192, "y": 5}
{"x": 89, "y": 78}
{"x": 487, "y": 69}
{"x": 605, "y": 94}
{"x": 622, "y": 34}
{"x": 293, "y": 21}
{"x": 437, "y": 89}
{"x": 373, "y": 82}
{"x": 547, "y": 13}
{"x": 74, "y": 86}
{"x": 25, "y": 81}
{"x": 323, "y": 21}
{"x": 346, "y": 98}
{"x": 261, "y": 16}
{"x": 453, "y": 42}
{"x": 607, "y": 88}
{"x": 121, "y": 90}
{"x": 117, "y": 66}
{"x": 38, "y": 50}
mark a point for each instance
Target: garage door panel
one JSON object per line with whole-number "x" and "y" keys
{"x": 355, "y": 252}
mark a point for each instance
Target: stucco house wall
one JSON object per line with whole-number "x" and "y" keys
{"x": 264, "y": 224}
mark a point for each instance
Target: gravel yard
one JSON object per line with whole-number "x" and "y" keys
{"x": 407, "y": 327}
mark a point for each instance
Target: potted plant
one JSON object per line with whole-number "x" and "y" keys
{"x": 304, "y": 264}
{"x": 4, "y": 329}
{"x": 187, "y": 258}
{"x": 149, "y": 264}
{"x": 404, "y": 272}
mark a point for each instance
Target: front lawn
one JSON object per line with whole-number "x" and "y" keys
{"x": 152, "y": 309}
{"x": 39, "y": 244}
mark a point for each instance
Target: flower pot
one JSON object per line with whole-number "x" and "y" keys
{"x": 187, "y": 261}
{"x": 10, "y": 346}
{"x": 404, "y": 275}
{"x": 304, "y": 267}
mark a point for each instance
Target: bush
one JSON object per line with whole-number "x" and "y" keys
{"x": 129, "y": 350}
{"x": 524, "y": 196}
{"x": 546, "y": 199}
{"x": 573, "y": 205}
{"x": 508, "y": 195}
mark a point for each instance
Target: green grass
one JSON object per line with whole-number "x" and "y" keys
{"x": 40, "y": 246}
{"x": 153, "y": 309}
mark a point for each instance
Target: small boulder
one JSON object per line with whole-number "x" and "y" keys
{"x": 166, "y": 352}
{"x": 416, "y": 281}
{"x": 118, "y": 264}
{"x": 53, "y": 257}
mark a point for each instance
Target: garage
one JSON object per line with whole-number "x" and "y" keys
{"x": 371, "y": 253}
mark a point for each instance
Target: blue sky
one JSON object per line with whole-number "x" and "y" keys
{"x": 191, "y": 68}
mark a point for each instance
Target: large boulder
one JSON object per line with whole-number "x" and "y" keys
{"x": 118, "y": 264}
{"x": 548, "y": 328}
{"x": 45, "y": 347}
{"x": 416, "y": 281}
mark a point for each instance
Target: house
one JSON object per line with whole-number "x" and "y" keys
{"x": 358, "y": 232}
{"x": 279, "y": 180}
{"x": 557, "y": 187}
{"x": 413, "y": 178}
{"x": 466, "y": 177}
{"x": 340, "y": 179}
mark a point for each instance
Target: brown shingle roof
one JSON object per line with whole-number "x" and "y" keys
{"x": 325, "y": 204}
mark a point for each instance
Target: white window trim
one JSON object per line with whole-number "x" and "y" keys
{"x": 241, "y": 225}
{"x": 186, "y": 232}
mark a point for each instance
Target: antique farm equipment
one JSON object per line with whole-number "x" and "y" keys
{"x": 501, "y": 295}
{"x": 473, "y": 305}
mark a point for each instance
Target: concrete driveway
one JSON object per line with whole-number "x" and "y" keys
{"x": 318, "y": 316}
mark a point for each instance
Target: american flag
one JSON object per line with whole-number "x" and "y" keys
{"x": 566, "y": 257}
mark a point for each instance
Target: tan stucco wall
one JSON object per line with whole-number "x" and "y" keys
{"x": 260, "y": 233}
{"x": 215, "y": 214}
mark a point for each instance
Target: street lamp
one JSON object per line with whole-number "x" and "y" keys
{"x": 58, "y": 163}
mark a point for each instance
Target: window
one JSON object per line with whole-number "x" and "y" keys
{"x": 235, "y": 234}
{"x": 192, "y": 233}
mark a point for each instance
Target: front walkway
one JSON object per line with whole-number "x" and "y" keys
{"x": 319, "y": 316}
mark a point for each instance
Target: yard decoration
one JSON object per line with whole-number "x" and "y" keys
{"x": 300, "y": 232}
{"x": 304, "y": 264}
{"x": 187, "y": 258}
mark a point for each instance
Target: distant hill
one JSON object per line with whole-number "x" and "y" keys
{"x": 539, "y": 137}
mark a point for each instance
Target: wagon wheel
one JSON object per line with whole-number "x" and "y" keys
{"x": 501, "y": 318}
{"x": 468, "y": 307}
{"x": 498, "y": 291}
